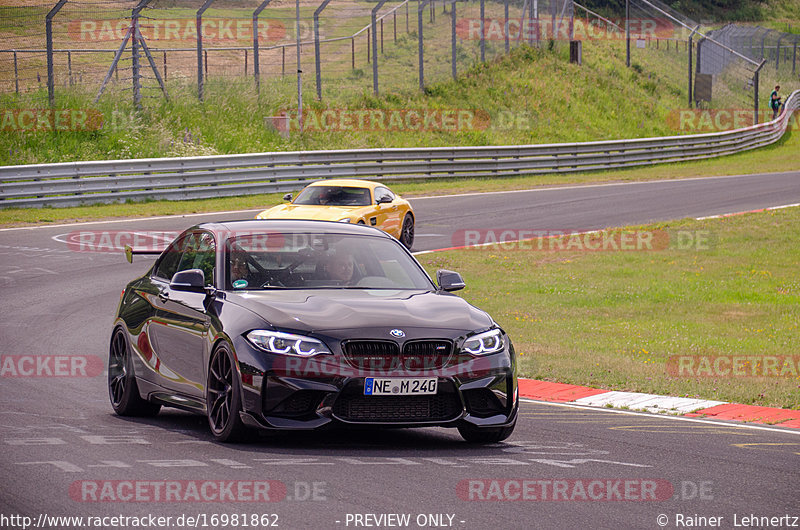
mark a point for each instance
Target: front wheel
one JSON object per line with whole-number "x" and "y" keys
{"x": 477, "y": 435}
{"x": 407, "y": 232}
{"x": 223, "y": 397}
{"x": 122, "y": 389}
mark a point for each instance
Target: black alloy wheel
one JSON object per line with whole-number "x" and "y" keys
{"x": 122, "y": 389}
{"x": 407, "y": 232}
{"x": 223, "y": 398}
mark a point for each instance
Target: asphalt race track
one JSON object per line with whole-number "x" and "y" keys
{"x": 64, "y": 452}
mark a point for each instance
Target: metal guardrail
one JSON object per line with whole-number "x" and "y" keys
{"x": 76, "y": 183}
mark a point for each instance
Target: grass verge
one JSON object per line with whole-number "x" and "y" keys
{"x": 613, "y": 319}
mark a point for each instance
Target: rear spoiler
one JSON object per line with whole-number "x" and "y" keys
{"x": 130, "y": 251}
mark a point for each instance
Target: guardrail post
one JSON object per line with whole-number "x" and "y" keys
{"x": 317, "y": 61}
{"x": 199, "y": 23}
{"x": 421, "y": 59}
{"x": 453, "y": 39}
{"x": 256, "y": 72}
{"x": 755, "y": 91}
{"x": 373, "y": 27}
{"x": 48, "y": 28}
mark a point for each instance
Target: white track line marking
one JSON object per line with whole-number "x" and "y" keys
{"x": 129, "y": 219}
{"x": 664, "y": 416}
{"x": 731, "y": 214}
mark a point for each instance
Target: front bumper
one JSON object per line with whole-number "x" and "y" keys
{"x": 315, "y": 393}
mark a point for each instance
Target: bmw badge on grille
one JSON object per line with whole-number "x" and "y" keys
{"x": 398, "y": 333}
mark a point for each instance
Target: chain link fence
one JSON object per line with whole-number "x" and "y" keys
{"x": 150, "y": 47}
{"x": 729, "y": 70}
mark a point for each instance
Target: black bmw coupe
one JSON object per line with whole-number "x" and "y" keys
{"x": 283, "y": 324}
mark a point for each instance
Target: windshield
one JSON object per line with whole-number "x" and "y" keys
{"x": 292, "y": 260}
{"x": 334, "y": 196}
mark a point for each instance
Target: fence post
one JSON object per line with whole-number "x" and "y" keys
{"x": 407, "y": 1}
{"x": 137, "y": 87}
{"x": 16, "y": 74}
{"x": 69, "y": 67}
{"x": 256, "y": 72}
{"x": 421, "y": 57}
{"x": 778, "y": 52}
{"x": 283, "y": 61}
{"x": 48, "y": 28}
{"x": 628, "y": 33}
{"x": 794, "y": 57}
{"x": 755, "y": 91}
{"x": 369, "y": 39}
{"x": 505, "y": 26}
{"x": 199, "y": 23}
{"x": 483, "y": 32}
{"x": 374, "y": 29}
{"x": 394, "y": 22}
{"x": 165, "y": 66}
{"x": 689, "y": 47}
{"x": 453, "y": 39}
{"x": 353, "y": 52}
{"x": 317, "y": 60}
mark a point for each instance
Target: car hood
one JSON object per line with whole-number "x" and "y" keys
{"x": 300, "y": 211}
{"x": 337, "y": 309}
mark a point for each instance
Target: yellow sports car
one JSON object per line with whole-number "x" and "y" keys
{"x": 350, "y": 201}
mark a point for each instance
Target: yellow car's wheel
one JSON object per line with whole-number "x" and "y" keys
{"x": 407, "y": 232}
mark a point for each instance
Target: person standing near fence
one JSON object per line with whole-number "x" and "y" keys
{"x": 775, "y": 102}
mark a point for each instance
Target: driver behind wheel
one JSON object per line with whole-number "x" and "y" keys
{"x": 240, "y": 270}
{"x": 341, "y": 267}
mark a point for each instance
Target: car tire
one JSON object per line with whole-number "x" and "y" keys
{"x": 122, "y": 388}
{"x": 478, "y": 435}
{"x": 223, "y": 397}
{"x": 407, "y": 231}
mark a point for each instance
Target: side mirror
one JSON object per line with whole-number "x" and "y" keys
{"x": 192, "y": 280}
{"x": 384, "y": 199}
{"x": 449, "y": 280}
{"x": 287, "y": 197}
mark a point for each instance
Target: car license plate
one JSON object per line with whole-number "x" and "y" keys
{"x": 413, "y": 386}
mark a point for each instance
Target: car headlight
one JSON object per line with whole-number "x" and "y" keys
{"x": 483, "y": 343}
{"x": 345, "y": 220}
{"x": 287, "y": 343}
